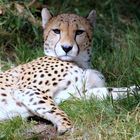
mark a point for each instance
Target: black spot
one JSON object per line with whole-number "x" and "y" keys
{"x": 65, "y": 88}
{"x": 31, "y": 100}
{"x": 40, "y": 83}
{"x": 55, "y": 71}
{"x": 64, "y": 74}
{"x": 65, "y": 119}
{"x": 53, "y": 79}
{"x": 38, "y": 108}
{"x": 46, "y": 82}
{"x": 76, "y": 71}
{"x": 31, "y": 94}
{"x": 34, "y": 86}
{"x": 41, "y": 102}
{"x": 50, "y": 97}
{"x": 27, "y": 92}
{"x": 40, "y": 71}
{"x": 52, "y": 104}
{"x": 68, "y": 123}
{"x": 34, "y": 103}
{"x": 35, "y": 76}
{"x": 51, "y": 111}
{"x": 3, "y": 100}
{"x": 68, "y": 83}
{"x": 58, "y": 114}
{"x": 22, "y": 68}
{"x": 37, "y": 93}
{"x": 29, "y": 72}
{"x": 54, "y": 108}
{"x": 38, "y": 89}
{"x": 43, "y": 91}
{"x": 54, "y": 84}
{"x": 42, "y": 75}
{"x": 46, "y": 71}
{"x": 49, "y": 74}
{"x": 3, "y": 94}
{"x": 45, "y": 98}
{"x": 34, "y": 81}
{"x": 28, "y": 79}
{"x": 62, "y": 70}
{"x": 76, "y": 79}
{"x": 47, "y": 90}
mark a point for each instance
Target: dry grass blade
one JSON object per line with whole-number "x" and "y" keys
{"x": 24, "y": 12}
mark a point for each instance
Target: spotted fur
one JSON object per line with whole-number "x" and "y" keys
{"x": 37, "y": 87}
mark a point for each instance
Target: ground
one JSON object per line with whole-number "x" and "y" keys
{"x": 116, "y": 54}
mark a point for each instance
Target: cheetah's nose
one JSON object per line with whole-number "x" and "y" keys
{"x": 66, "y": 48}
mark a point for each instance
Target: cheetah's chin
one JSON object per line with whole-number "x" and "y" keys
{"x": 66, "y": 58}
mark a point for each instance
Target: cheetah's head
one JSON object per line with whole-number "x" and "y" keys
{"x": 67, "y": 36}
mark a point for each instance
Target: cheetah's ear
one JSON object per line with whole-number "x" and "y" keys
{"x": 46, "y": 16}
{"x": 92, "y": 18}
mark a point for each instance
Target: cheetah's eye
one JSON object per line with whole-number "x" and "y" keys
{"x": 78, "y": 32}
{"x": 57, "y": 31}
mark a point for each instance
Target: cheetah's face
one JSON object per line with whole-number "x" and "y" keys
{"x": 66, "y": 36}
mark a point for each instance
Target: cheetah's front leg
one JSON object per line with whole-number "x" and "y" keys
{"x": 44, "y": 106}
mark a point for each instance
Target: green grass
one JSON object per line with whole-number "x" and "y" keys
{"x": 116, "y": 53}
{"x": 103, "y": 120}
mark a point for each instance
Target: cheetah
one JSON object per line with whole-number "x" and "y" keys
{"x": 68, "y": 36}
{"x": 37, "y": 87}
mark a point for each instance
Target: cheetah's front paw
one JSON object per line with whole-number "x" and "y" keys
{"x": 61, "y": 129}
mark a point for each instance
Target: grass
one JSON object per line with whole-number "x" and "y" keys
{"x": 116, "y": 53}
{"x": 96, "y": 120}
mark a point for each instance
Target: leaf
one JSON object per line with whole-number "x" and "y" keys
{"x": 19, "y": 8}
{"x": 1, "y": 11}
